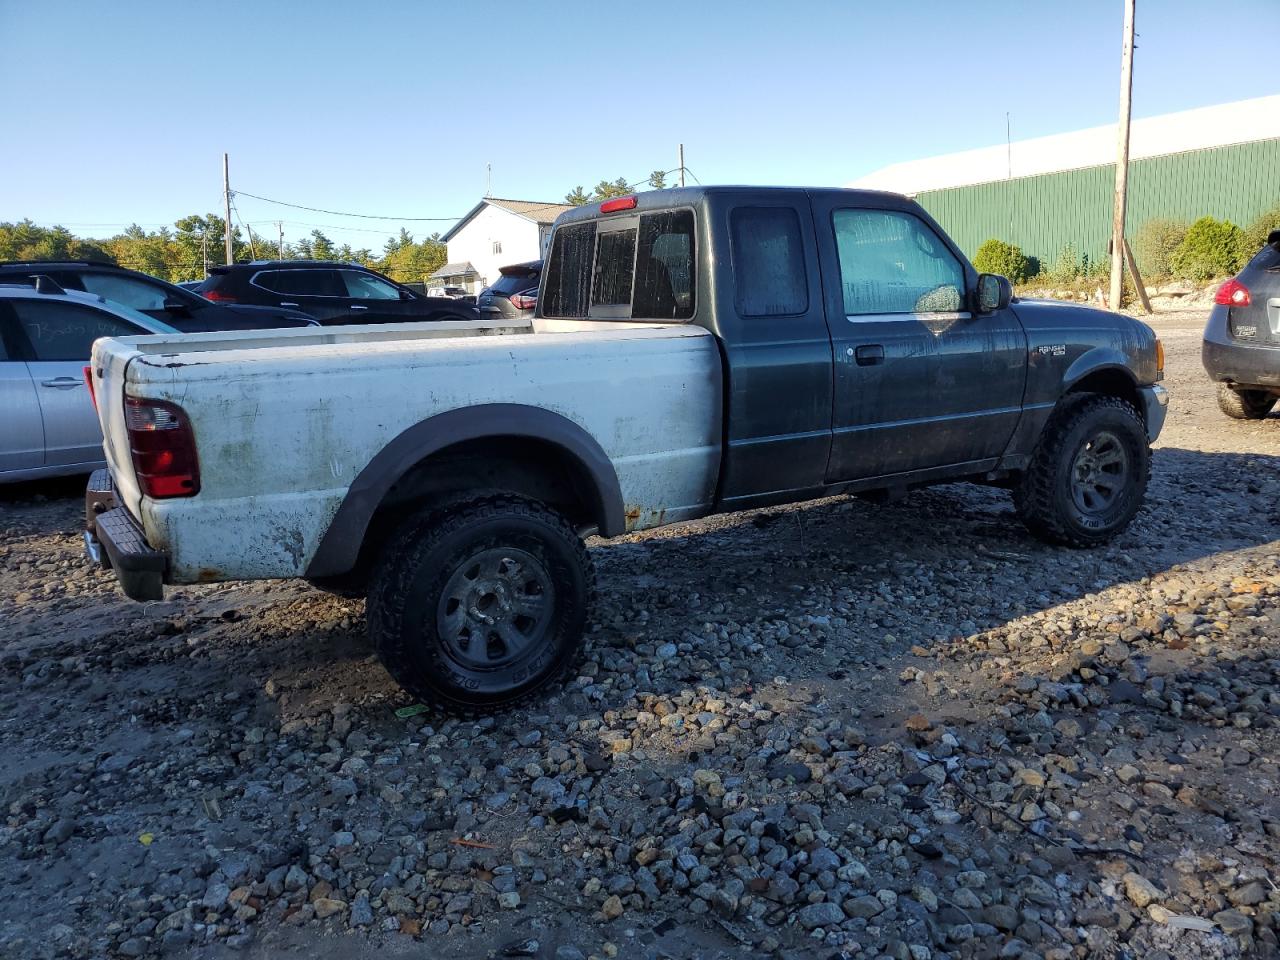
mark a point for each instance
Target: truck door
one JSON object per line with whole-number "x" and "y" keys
{"x": 920, "y": 380}
{"x": 776, "y": 344}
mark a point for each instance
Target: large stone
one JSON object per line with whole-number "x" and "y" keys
{"x": 824, "y": 914}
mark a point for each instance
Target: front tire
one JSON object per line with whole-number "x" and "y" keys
{"x": 481, "y": 605}
{"x": 1089, "y": 473}
{"x": 1244, "y": 404}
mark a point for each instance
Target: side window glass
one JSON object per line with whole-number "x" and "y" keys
{"x": 568, "y": 280}
{"x": 58, "y": 330}
{"x": 125, "y": 290}
{"x": 664, "y": 267}
{"x": 614, "y": 270}
{"x": 365, "y": 286}
{"x": 891, "y": 262}
{"x": 768, "y": 262}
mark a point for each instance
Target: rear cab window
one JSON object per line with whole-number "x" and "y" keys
{"x": 624, "y": 268}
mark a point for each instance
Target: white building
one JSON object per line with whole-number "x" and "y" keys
{"x": 494, "y": 234}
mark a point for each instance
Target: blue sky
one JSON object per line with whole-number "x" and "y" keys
{"x": 120, "y": 112}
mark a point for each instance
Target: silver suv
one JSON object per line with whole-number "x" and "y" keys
{"x": 50, "y": 426}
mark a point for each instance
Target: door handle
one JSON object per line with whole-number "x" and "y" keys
{"x": 61, "y": 383}
{"x": 356, "y": 306}
{"x": 869, "y": 355}
{"x": 283, "y": 304}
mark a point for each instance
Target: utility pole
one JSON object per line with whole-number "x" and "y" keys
{"x": 226, "y": 204}
{"x": 1122, "y": 160}
{"x": 204, "y": 250}
{"x": 280, "y": 234}
{"x": 682, "y": 164}
{"x": 488, "y": 179}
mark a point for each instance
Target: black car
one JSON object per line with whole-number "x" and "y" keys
{"x": 514, "y": 295}
{"x": 181, "y": 309}
{"x": 333, "y": 293}
{"x": 1242, "y": 340}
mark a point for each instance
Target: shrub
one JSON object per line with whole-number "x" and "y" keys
{"x": 1255, "y": 235}
{"x": 1211, "y": 248}
{"x": 1154, "y": 244}
{"x": 1006, "y": 259}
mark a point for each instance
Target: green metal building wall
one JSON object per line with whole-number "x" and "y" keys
{"x": 1042, "y": 214}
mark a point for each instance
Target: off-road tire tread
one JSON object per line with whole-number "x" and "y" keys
{"x": 1035, "y": 498}
{"x": 1236, "y": 405}
{"x": 395, "y": 569}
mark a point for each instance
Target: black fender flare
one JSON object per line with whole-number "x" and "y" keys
{"x": 340, "y": 547}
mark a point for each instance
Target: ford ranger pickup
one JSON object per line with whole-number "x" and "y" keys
{"x": 693, "y": 351}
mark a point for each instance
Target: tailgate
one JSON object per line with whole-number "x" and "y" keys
{"x": 111, "y": 359}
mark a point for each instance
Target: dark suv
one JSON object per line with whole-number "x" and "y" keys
{"x": 514, "y": 295}
{"x": 333, "y": 293}
{"x": 167, "y": 302}
{"x": 1242, "y": 340}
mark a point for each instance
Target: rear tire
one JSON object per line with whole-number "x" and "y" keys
{"x": 1244, "y": 404}
{"x": 1089, "y": 473}
{"x": 481, "y": 605}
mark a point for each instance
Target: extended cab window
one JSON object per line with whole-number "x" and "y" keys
{"x": 892, "y": 262}
{"x": 637, "y": 268}
{"x": 768, "y": 262}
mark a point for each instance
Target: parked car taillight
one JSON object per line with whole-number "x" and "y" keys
{"x": 217, "y": 297}
{"x": 523, "y": 301}
{"x": 1233, "y": 293}
{"x": 163, "y": 448}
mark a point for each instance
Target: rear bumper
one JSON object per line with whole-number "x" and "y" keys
{"x": 1155, "y": 401}
{"x": 113, "y": 540}
{"x": 1250, "y": 365}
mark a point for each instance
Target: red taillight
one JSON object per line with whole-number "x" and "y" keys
{"x": 163, "y": 448}
{"x": 88, "y": 382}
{"x": 522, "y": 301}
{"x": 621, "y": 203}
{"x": 217, "y": 297}
{"x": 1233, "y": 293}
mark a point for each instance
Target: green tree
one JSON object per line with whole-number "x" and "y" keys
{"x": 25, "y": 240}
{"x": 658, "y": 180}
{"x": 321, "y": 246}
{"x": 604, "y": 190}
{"x": 1211, "y": 248}
{"x": 1005, "y": 259}
{"x": 1255, "y": 235}
{"x": 577, "y": 197}
{"x": 1154, "y": 244}
{"x": 411, "y": 262}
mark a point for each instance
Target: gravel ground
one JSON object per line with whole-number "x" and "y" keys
{"x": 818, "y": 731}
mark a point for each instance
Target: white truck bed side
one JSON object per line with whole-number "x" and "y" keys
{"x": 285, "y": 422}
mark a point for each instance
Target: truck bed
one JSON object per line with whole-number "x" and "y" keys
{"x": 284, "y": 421}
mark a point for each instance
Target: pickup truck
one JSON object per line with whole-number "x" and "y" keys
{"x": 694, "y": 351}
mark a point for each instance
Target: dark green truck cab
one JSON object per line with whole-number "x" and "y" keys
{"x": 862, "y": 352}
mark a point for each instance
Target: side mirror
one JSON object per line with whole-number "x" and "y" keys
{"x": 994, "y": 292}
{"x": 406, "y": 295}
{"x": 176, "y": 306}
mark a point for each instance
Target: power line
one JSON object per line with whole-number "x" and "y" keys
{"x": 340, "y": 213}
